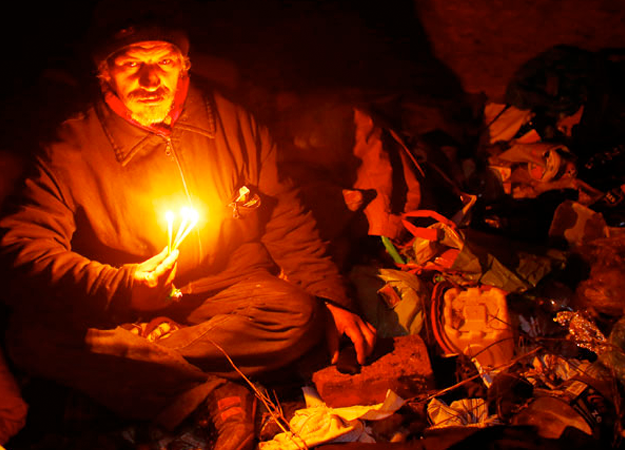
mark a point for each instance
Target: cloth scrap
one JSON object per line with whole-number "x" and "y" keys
{"x": 319, "y": 424}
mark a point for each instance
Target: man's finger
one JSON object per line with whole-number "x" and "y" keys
{"x": 160, "y": 256}
{"x": 333, "y": 349}
{"x": 149, "y": 279}
{"x": 154, "y": 261}
{"x": 167, "y": 265}
{"x": 171, "y": 265}
{"x": 172, "y": 275}
{"x": 356, "y": 336}
{"x": 171, "y": 258}
{"x": 370, "y": 334}
{"x": 332, "y": 339}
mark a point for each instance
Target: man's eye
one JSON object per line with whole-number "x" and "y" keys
{"x": 129, "y": 64}
{"x": 166, "y": 62}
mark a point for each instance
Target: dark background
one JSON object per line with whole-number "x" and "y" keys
{"x": 431, "y": 48}
{"x": 293, "y": 42}
{"x": 272, "y": 44}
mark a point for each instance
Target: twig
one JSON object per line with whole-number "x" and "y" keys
{"x": 474, "y": 377}
{"x": 277, "y": 417}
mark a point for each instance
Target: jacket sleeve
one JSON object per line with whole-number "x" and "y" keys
{"x": 36, "y": 258}
{"x": 291, "y": 235}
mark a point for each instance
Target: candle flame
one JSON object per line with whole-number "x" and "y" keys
{"x": 189, "y": 219}
{"x": 169, "y": 216}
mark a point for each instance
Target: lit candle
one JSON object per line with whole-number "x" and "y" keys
{"x": 184, "y": 212}
{"x": 189, "y": 220}
{"x": 169, "y": 215}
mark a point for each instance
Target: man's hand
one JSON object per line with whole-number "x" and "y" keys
{"x": 344, "y": 322}
{"x": 153, "y": 282}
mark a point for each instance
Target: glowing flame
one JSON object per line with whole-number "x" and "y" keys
{"x": 169, "y": 216}
{"x": 189, "y": 219}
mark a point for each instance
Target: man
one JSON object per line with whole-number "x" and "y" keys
{"x": 103, "y": 301}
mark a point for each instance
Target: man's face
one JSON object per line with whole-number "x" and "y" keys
{"x": 145, "y": 76}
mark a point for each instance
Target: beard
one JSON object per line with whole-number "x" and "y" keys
{"x": 149, "y": 108}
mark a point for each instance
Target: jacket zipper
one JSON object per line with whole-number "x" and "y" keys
{"x": 170, "y": 151}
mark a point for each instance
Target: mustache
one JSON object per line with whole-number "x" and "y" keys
{"x": 141, "y": 94}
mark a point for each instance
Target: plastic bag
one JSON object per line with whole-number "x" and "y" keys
{"x": 391, "y": 300}
{"x": 469, "y": 257}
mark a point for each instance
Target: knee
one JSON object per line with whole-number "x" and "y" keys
{"x": 285, "y": 309}
{"x": 297, "y": 307}
{"x": 308, "y": 310}
{"x": 297, "y": 312}
{"x": 309, "y": 321}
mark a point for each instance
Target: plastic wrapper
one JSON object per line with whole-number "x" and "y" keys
{"x": 504, "y": 121}
{"x": 582, "y": 331}
{"x": 580, "y": 401}
{"x": 469, "y": 412}
{"x": 577, "y": 224}
{"x": 512, "y": 267}
{"x": 470, "y": 257}
{"x": 551, "y": 370}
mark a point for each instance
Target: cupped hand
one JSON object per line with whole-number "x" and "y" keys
{"x": 360, "y": 332}
{"x": 153, "y": 282}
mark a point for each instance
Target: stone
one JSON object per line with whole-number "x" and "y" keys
{"x": 400, "y": 363}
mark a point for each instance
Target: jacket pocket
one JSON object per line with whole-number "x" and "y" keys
{"x": 244, "y": 202}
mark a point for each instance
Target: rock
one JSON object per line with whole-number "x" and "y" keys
{"x": 401, "y": 364}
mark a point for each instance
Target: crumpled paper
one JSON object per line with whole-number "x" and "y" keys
{"x": 320, "y": 424}
{"x": 552, "y": 370}
{"x": 468, "y": 412}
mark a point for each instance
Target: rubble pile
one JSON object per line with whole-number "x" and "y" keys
{"x": 514, "y": 286}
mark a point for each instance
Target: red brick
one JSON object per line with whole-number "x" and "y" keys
{"x": 404, "y": 367}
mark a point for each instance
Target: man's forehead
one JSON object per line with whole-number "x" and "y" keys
{"x": 147, "y": 48}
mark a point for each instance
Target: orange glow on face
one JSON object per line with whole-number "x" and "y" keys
{"x": 145, "y": 77}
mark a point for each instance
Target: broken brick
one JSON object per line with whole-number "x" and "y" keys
{"x": 401, "y": 364}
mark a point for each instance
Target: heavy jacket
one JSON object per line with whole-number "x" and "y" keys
{"x": 96, "y": 201}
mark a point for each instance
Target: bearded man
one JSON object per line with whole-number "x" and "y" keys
{"x": 100, "y": 303}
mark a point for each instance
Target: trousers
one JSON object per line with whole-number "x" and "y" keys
{"x": 261, "y": 323}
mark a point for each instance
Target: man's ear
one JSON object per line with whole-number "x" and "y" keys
{"x": 186, "y": 63}
{"x": 104, "y": 75}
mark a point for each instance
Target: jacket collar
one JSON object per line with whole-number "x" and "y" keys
{"x": 197, "y": 115}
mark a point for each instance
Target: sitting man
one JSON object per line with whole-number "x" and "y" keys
{"x": 102, "y": 298}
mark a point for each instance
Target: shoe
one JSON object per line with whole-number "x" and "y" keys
{"x": 231, "y": 409}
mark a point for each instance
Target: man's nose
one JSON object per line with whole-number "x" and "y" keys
{"x": 148, "y": 76}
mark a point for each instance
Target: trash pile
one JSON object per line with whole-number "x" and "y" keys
{"x": 511, "y": 345}
{"x": 517, "y": 292}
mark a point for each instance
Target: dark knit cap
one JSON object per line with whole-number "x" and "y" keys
{"x": 119, "y": 25}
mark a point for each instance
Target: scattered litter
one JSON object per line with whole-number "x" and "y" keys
{"x": 318, "y": 424}
{"x": 582, "y": 331}
{"x": 466, "y": 412}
